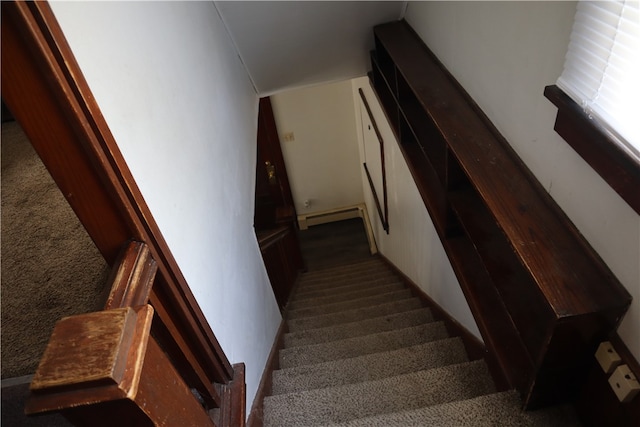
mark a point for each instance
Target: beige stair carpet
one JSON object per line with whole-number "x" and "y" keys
{"x": 361, "y": 350}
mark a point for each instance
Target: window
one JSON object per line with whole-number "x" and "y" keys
{"x": 598, "y": 93}
{"x": 602, "y": 67}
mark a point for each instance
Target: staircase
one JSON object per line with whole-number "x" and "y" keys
{"x": 362, "y": 351}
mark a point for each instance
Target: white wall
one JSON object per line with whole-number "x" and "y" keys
{"x": 504, "y": 54}
{"x": 184, "y": 114}
{"x": 322, "y": 162}
{"x": 412, "y": 244}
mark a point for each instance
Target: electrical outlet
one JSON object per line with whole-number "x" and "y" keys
{"x": 288, "y": 136}
{"x": 608, "y": 358}
{"x": 624, "y": 383}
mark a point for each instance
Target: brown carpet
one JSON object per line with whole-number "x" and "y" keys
{"x": 50, "y": 266}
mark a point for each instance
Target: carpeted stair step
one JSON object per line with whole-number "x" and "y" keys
{"x": 358, "y": 346}
{"x": 354, "y": 315}
{"x": 363, "y": 265}
{"x": 346, "y": 295}
{"x": 303, "y": 293}
{"x": 398, "y": 393}
{"x": 324, "y": 277}
{"x": 497, "y": 409}
{"x": 348, "y": 305}
{"x": 374, "y": 325}
{"x": 369, "y": 367}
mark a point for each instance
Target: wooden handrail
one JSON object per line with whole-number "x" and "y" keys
{"x": 266, "y": 238}
{"x": 383, "y": 209}
{"x": 100, "y": 368}
{"x": 541, "y": 296}
{"x": 44, "y": 87}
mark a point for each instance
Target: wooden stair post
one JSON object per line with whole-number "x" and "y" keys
{"x": 105, "y": 368}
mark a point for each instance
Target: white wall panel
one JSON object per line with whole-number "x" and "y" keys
{"x": 322, "y": 162}
{"x": 184, "y": 114}
{"x": 412, "y": 244}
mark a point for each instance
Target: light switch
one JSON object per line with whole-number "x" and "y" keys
{"x": 608, "y": 358}
{"x": 624, "y": 383}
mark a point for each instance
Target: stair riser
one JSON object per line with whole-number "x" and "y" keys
{"x": 348, "y": 305}
{"x": 359, "y": 346}
{"x": 369, "y": 263}
{"x": 370, "y": 367}
{"x": 345, "y": 296}
{"x": 398, "y": 393}
{"x": 497, "y": 409}
{"x": 332, "y": 319}
{"x": 335, "y": 281}
{"x": 302, "y": 294}
{"x": 361, "y": 328}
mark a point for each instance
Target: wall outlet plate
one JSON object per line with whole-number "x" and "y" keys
{"x": 607, "y": 356}
{"x": 624, "y": 384}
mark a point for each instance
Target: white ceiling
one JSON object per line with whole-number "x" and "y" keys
{"x": 299, "y": 43}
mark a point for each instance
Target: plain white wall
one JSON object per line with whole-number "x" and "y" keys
{"x": 412, "y": 244}
{"x": 322, "y": 162}
{"x": 184, "y": 114}
{"x": 504, "y": 54}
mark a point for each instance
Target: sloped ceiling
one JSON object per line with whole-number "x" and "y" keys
{"x": 299, "y": 43}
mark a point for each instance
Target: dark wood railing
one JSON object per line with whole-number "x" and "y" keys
{"x": 542, "y": 297}
{"x": 110, "y": 367}
{"x": 46, "y": 92}
{"x": 382, "y": 208}
{"x": 280, "y": 250}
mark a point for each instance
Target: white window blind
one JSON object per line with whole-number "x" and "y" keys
{"x": 602, "y": 67}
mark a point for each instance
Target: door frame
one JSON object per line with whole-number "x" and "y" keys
{"x": 44, "y": 88}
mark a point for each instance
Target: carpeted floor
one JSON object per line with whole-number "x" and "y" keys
{"x": 334, "y": 243}
{"x": 50, "y": 266}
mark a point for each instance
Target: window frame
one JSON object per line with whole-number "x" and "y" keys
{"x": 618, "y": 167}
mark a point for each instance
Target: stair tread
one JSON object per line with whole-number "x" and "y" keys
{"x": 496, "y": 409}
{"x": 370, "y": 367}
{"x": 358, "y": 346}
{"x": 346, "y": 295}
{"x": 398, "y": 393}
{"x": 303, "y": 293}
{"x": 334, "y": 280}
{"x": 355, "y": 314}
{"x": 351, "y": 304}
{"x": 326, "y": 278}
{"x": 388, "y": 322}
{"x": 356, "y": 265}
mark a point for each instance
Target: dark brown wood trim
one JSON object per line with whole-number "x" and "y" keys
{"x": 132, "y": 279}
{"x": 264, "y": 389}
{"x": 266, "y": 238}
{"x": 238, "y": 396}
{"x": 45, "y": 90}
{"x": 475, "y": 348}
{"x": 592, "y": 142}
{"x": 375, "y": 198}
{"x": 383, "y": 211}
{"x": 541, "y": 296}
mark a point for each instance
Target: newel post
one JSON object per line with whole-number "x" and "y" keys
{"x": 104, "y": 369}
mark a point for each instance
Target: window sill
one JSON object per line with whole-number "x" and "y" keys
{"x": 617, "y": 167}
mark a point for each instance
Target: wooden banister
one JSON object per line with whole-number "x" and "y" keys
{"x": 44, "y": 88}
{"x": 133, "y": 278}
{"x": 105, "y": 368}
{"x": 542, "y": 298}
{"x": 383, "y": 209}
